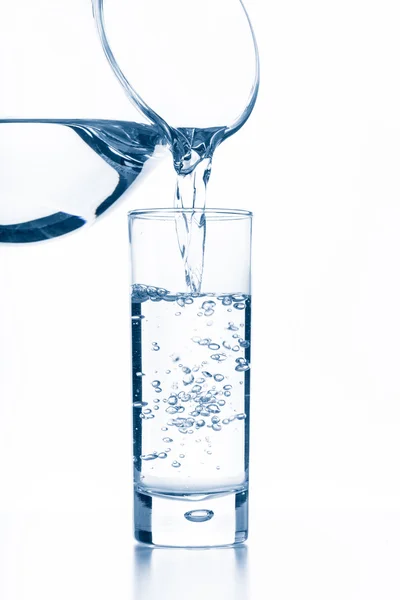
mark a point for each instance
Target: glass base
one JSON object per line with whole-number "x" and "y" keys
{"x": 202, "y": 521}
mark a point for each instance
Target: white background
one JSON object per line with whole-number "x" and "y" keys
{"x": 323, "y": 182}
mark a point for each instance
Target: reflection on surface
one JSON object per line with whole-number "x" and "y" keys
{"x": 169, "y": 573}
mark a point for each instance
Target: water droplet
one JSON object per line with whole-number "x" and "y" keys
{"x": 156, "y": 408}
{"x": 217, "y": 427}
{"x": 240, "y": 416}
{"x": 162, "y": 455}
{"x": 232, "y": 326}
{"x": 215, "y": 420}
{"x": 221, "y": 402}
{"x": 225, "y": 421}
{"x": 236, "y": 348}
{"x": 244, "y": 343}
{"x": 182, "y": 430}
{"x": 186, "y": 370}
{"x": 227, "y": 301}
{"x": 172, "y": 400}
{"x": 180, "y": 302}
{"x": 218, "y": 377}
{"x": 189, "y": 300}
{"x": 139, "y": 374}
{"x": 167, "y": 440}
{"x": 156, "y": 400}
{"x": 167, "y": 449}
{"x": 235, "y": 336}
{"x": 196, "y": 389}
{"x": 209, "y": 312}
{"x": 147, "y": 411}
{"x": 227, "y": 387}
{"x": 158, "y": 390}
{"x": 227, "y": 394}
{"x": 200, "y": 380}
{"x": 176, "y": 464}
{"x": 199, "y": 314}
{"x": 181, "y": 456}
{"x": 207, "y": 374}
{"x": 199, "y": 516}
{"x": 200, "y": 423}
{"x": 214, "y": 346}
{"x": 213, "y": 408}
{"x": 155, "y": 383}
{"x": 167, "y": 372}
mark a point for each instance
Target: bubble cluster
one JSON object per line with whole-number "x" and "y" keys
{"x": 201, "y": 393}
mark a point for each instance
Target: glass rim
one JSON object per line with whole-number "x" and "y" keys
{"x": 164, "y": 214}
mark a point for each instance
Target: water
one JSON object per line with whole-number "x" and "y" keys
{"x": 190, "y": 393}
{"x": 192, "y": 154}
{"x": 58, "y": 175}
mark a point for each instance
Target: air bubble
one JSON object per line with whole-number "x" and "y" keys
{"x": 181, "y": 456}
{"x": 221, "y": 402}
{"x": 226, "y": 345}
{"x": 214, "y": 346}
{"x": 225, "y": 421}
{"x": 149, "y": 456}
{"x": 227, "y": 394}
{"x": 235, "y": 348}
{"x": 162, "y": 455}
{"x": 155, "y": 383}
{"x": 180, "y": 302}
{"x": 189, "y": 301}
{"x": 215, "y": 420}
{"x": 158, "y": 390}
{"x": 239, "y": 306}
{"x": 188, "y": 379}
{"x": 218, "y": 377}
{"x": 175, "y": 357}
{"x": 216, "y": 427}
{"x": 207, "y": 374}
{"x": 147, "y": 411}
{"x": 186, "y": 370}
{"x": 208, "y": 305}
{"x": 200, "y": 380}
{"x": 244, "y": 343}
{"x": 196, "y": 339}
{"x": 227, "y": 387}
{"x": 213, "y": 408}
{"x": 178, "y": 314}
{"x": 155, "y": 347}
{"x": 196, "y": 389}
{"x": 227, "y": 301}
{"x": 200, "y": 423}
{"x": 172, "y": 400}
{"x": 235, "y": 336}
{"x": 176, "y": 464}
{"x": 139, "y": 374}
{"x": 205, "y": 341}
{"x": 164, "y": 428}
{"x": 232, "y": 326}
{"x": 241, "y": 416}
{"x": 167, "y": 440}
{"x": 199, "y": 516}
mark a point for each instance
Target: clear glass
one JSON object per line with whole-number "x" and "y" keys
{"x": 191, "y": 380}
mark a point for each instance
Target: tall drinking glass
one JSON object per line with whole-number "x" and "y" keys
{"x": 191, "y": 379}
